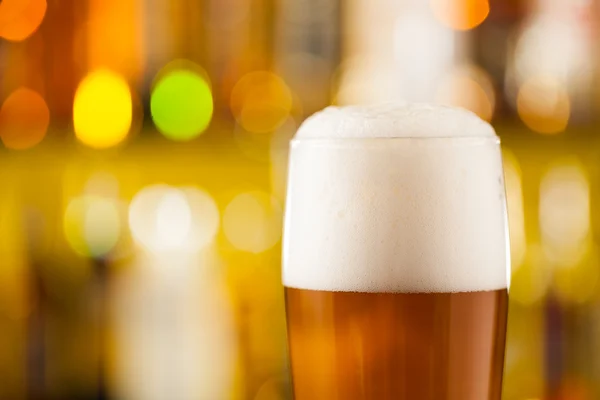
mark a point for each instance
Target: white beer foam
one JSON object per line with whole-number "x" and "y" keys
{"x": 393, "y": 120}
{"x": 420, "y": 211}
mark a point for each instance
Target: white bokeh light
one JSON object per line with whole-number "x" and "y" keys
{"x": 168, "y": 219}
{"x": 173, "y": 220}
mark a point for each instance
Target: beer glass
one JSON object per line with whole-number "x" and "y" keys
{"x": 395, "y": 265}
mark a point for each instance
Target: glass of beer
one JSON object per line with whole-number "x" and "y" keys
{"x": 395, "y": 265}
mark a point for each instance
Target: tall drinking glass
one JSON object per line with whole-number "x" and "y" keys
{"x": 395, "y": 265}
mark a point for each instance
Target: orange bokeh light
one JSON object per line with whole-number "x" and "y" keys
{"x": 24, "y": 119}
{"x": 544, "y": 105}
{"x": 469, "y": 87}
{"x": 461, "y": 15}
{"x": 19, "y": 19}
{"x": 261, "y": 102}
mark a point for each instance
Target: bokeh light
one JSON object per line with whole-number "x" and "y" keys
{"x": 19, "y": 19}
{"x": 543, "y": 104}
{"x": 181, "y": 102}
{"x": 556, "y": 47}
{"x": 102, "y": 109}
{"x": 173, "y": 220}
{"x": 24, "y": 119}
{"x": 469, "y": 87}
{"x": 531, "y": 281}
{"x": 205, "y": 216}
{"x": 166, "y": 219}
{"x": 461, "y": 14}
{"x": 261, "y": 102}
{"x": 565, "y": 227}
{"x": 92, "y": 225}
{"x": 252, "y": 221}
{"x": 160, "y": 213}
{"x": 564, "y": 213}
{"x": 516, "y": 211}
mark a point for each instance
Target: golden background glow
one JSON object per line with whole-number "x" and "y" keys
{"x": 543, "y": 105}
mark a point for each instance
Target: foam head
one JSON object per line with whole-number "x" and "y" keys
{"x": 396, "y": 198}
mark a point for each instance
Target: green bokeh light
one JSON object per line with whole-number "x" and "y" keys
{"x": 181, "y": 105}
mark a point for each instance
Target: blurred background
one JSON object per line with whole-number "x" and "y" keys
{"x": 143, "y": 172}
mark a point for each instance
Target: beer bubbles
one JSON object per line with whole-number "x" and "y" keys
{"x": 343, "y": 198}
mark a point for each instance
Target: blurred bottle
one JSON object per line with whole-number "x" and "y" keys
{"x": 308, "y": 38}
{"x": 239, "y": 37}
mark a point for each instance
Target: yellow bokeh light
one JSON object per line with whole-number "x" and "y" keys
{"x": 24, "y": 119}
{"x": 531, "y": 281}
{"x": 516, "y": 212}
{"x": 92, "y": 225}
{"x": 469, "y": 87}
{"x": 543, "y": 104}
{"x": 461, "y": 14}
{"x": 19, "y": 19}
{"x": 261, "y": 102}
{"x": 564, "y": 213}
{"x": 102, "y": 110}
{"x": 252, "y": 221}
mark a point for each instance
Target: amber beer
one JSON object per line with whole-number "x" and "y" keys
{"x": 395, "y": 256}
{"x": 347, "y": 345}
